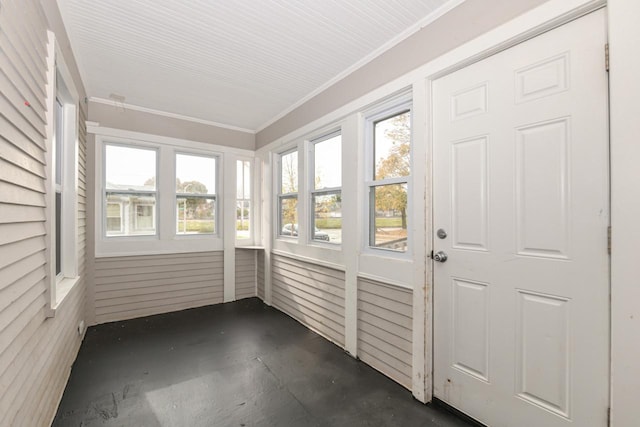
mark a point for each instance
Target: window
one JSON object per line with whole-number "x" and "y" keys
{"x": 62, "y": 177}
{"x": 243, "y": 199}
{"x": 130, "y": 191}
{"x": 326, "y": 193}
{"x": 288, "y": 195}
{"x": 159, "y": 195}
{"x": 195, "y": 194}
{"x": 388, "y": 182}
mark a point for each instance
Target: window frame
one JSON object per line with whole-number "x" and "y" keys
{"x": 166, "y": 241}
{"x": 216, "y": 213}
{"x": 313, "y": 193}
{"x": 61, "y": 162}
{"x": 284, "y": 196}
{"x": 380, "y": 113}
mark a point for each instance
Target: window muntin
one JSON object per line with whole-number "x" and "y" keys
{"x": 389, "y": 180}
{"x": 195, "y": 194}
{"x": 130, "y": 181}
{"x": 288, "y": 195}
{"x": 243, "y": 199}
{"x": 326, "y": 190}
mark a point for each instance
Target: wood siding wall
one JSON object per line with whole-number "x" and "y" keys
{"x": 385, "y": 329}
{"x": 311, "y": 294}
{"x": 245, "y": 273}
{"x": 136, "y": 286}
{"x": 260, "y": 275}
{"x": 36, "y": 352}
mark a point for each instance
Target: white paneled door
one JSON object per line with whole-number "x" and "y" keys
{"x": 521, "y": 190}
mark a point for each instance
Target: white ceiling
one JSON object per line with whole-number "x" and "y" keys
{"x": 240, "y": 63}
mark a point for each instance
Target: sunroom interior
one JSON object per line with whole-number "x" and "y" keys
{"x": 428, "y": 207}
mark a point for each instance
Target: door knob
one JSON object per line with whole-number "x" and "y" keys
{"x": 440, "y": 256}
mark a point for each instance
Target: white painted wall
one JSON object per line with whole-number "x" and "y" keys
{"x": 624, "y": 35}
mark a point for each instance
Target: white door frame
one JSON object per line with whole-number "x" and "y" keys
{"x": 527, "y": 26}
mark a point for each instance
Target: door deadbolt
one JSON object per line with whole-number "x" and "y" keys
{"x": 441, "y": 233}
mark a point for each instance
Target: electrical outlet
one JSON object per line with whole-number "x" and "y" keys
{"x": 81, "y": 328}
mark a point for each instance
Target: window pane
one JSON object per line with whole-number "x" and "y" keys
{"x": 289, "y": 173}
{"x": 195, "y": 174}
{"x": 239, "y": 179}
{"x": 328, "y": 217}
{"x": 130, "y": 214}
{"x": 195, "y": 215}
{"x": 59, "y": 135}
{"x": 328, "y": 163}
{"x": 392, "y": 146}
{"x": 243, "y": 199}
{"x": 58, "y": 221}
{"x": 132, "y": 169}
{"x": 243, "y": 179}
{"x": 242, "y": 219}
{"x": 289, "y": 216}
{"x": 247, "y": 180}
{"x": 389, "y": 230}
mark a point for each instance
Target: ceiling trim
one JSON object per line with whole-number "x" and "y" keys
{"x": 168, "y": 114}
{"x": 451, "y": 4}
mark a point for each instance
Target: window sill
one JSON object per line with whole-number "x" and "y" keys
{"x": 63, "y": 288}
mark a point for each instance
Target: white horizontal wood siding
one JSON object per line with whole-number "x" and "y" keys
{"x": 385, "y": 329}
{"x": 137, "y": 286}
{"x": 311, "y": 294}
{"x": 245, "y": 273}
{"x": 36, "y": 352}
{"x": 260, "y": 274}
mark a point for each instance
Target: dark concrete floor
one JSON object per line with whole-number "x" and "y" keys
{"x": 236, "y": 364}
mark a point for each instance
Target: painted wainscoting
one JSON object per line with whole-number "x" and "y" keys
{"x": 245, "y": 273}
{"x": 260, "y": 279}
{"x": 312, "y": 294}
{"x": 137, "y": 286}
{"x": 385, "y": 329}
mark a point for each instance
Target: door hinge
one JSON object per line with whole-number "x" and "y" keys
{"x": 609, "y": 240}
{"x": 606, "y": 57}
{"x": 608, "y": 416}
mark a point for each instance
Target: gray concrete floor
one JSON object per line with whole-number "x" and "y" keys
{"x": 237, "y": 364}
